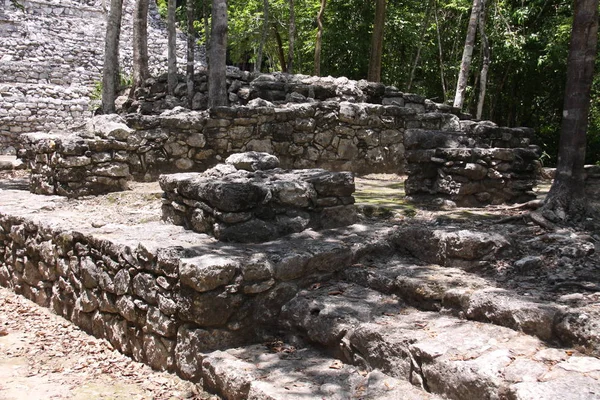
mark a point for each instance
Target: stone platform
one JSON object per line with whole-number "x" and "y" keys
{"x": 401, "y": 310}
{"x": 248, "y": 199}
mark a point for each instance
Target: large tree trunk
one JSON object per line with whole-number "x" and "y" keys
{"x": 217, "y": 67}
{"x": 566, "y": 199}
{"x": 172, "y": 43}
{"x": 465, "y": 64}
{"x": 110, "y": 72}
{"x": 419, "y": 47}
{"x": 485, "y": 67}
{"x": 292, "y": 38}
{"x": 191, "y": 47}
{"x": 140, "y": 44}
{"x": 319, "y": 39}
{"x": 263, "y": 38}
{"x": 374, "y": 74}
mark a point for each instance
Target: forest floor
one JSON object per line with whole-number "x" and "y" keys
{"x": 45, "y": 356}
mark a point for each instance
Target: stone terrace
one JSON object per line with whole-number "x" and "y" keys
{"x": 391, "y": 304}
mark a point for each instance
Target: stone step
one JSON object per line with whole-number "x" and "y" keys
{"x": 431, "y": 287}
{"x": 454, "y": 358}
{"x": 278, "y": 371}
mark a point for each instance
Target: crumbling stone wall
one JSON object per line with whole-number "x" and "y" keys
{"x": 356, "y": 137}
{"x": 162, "y": 305}
{"x": 470, "y": 163}
{"x": 278, "y": 88}
{"x": 51, "y": 61}
{"x": 483, "y": 164}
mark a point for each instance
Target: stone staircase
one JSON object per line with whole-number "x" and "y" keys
{"x": 393, "y": 325}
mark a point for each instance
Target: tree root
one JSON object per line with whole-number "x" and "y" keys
{"x": 531, "y": 216}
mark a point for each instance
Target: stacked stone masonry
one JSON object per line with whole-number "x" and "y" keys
{"x": 241, "y": 202}
{"x": 484, "y": 164}
{"x": 447, "y": 156}
{"x": 51, "y": 62}
{"x": 164, "y": 305}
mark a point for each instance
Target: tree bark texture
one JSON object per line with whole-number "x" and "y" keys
{"x": 319, "y": 39}
{"x": 110, "y": 72}
{"x": 140, "y": 44}
{"x": 206, "y": 27}
{"x": 280, "y": 51}
{"x": 171, "y": 44}
{"x": 485, "y": 64}
{"x": 419, "y": 47}
{"x": 566, "y": 199}
{"x": 440, "y": 52}
{"x": 191, "y": 47}
{"x": 292, "y": 38}
{"x": 374, "y": 74}
{"x": 465, "y": 64}
{"x": 217, "y": 67}
{"x": 263, "y": 38}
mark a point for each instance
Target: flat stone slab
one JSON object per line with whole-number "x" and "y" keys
{"x": 279, "y": 371}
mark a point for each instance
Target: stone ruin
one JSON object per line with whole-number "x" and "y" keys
{"x": 51, "y": 62}
{"x": 249, "y": 199}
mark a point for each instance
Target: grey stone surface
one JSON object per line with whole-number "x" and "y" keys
{"x": 253, "y": 161}
{"x": 52, "y": 61}
{"x": 454, "y": 358}
{"x": 242, "y": 206}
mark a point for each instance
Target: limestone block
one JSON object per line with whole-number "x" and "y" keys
{"x": 207, "y": 272}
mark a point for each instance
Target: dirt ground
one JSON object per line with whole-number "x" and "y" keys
{"x": 44, "y": 356}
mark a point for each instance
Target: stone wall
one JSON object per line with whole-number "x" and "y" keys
{"x": 484, "y": 164}
{"x": 357, "y": 137}
{"x": 278, "y": 88}
{"x": 471, "y": 163}
{"x": 163, "y": 305}
{"x": 54, "y": 50}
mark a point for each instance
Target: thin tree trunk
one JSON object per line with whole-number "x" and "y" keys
{"x": 280, "y": 51}
{"x": 292, "y": 38}
{"x": 263, "y": 38}
{"x": 566, "y": 199}
{"x": 319, "y": 39}
{"x": 110, "y": 72}
{"x": 191, "y": 47}
{"x": 374, "y": 74}
{"x": 441, "y": 53}
{"x": 172, "y": 42}
{"x": 217, "y": 67}
{"x": 419, "y": 47}
{"x": 465, "y": 64}
{"x": 206, "y": 27}
{"x": 140, "y": 45}
{"x": 485, "y": 62}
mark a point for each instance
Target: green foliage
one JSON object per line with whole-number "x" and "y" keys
{"x": 17, "y": 5}
{"x": 125, "y": 81}
{"x": 97, "y": 91}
